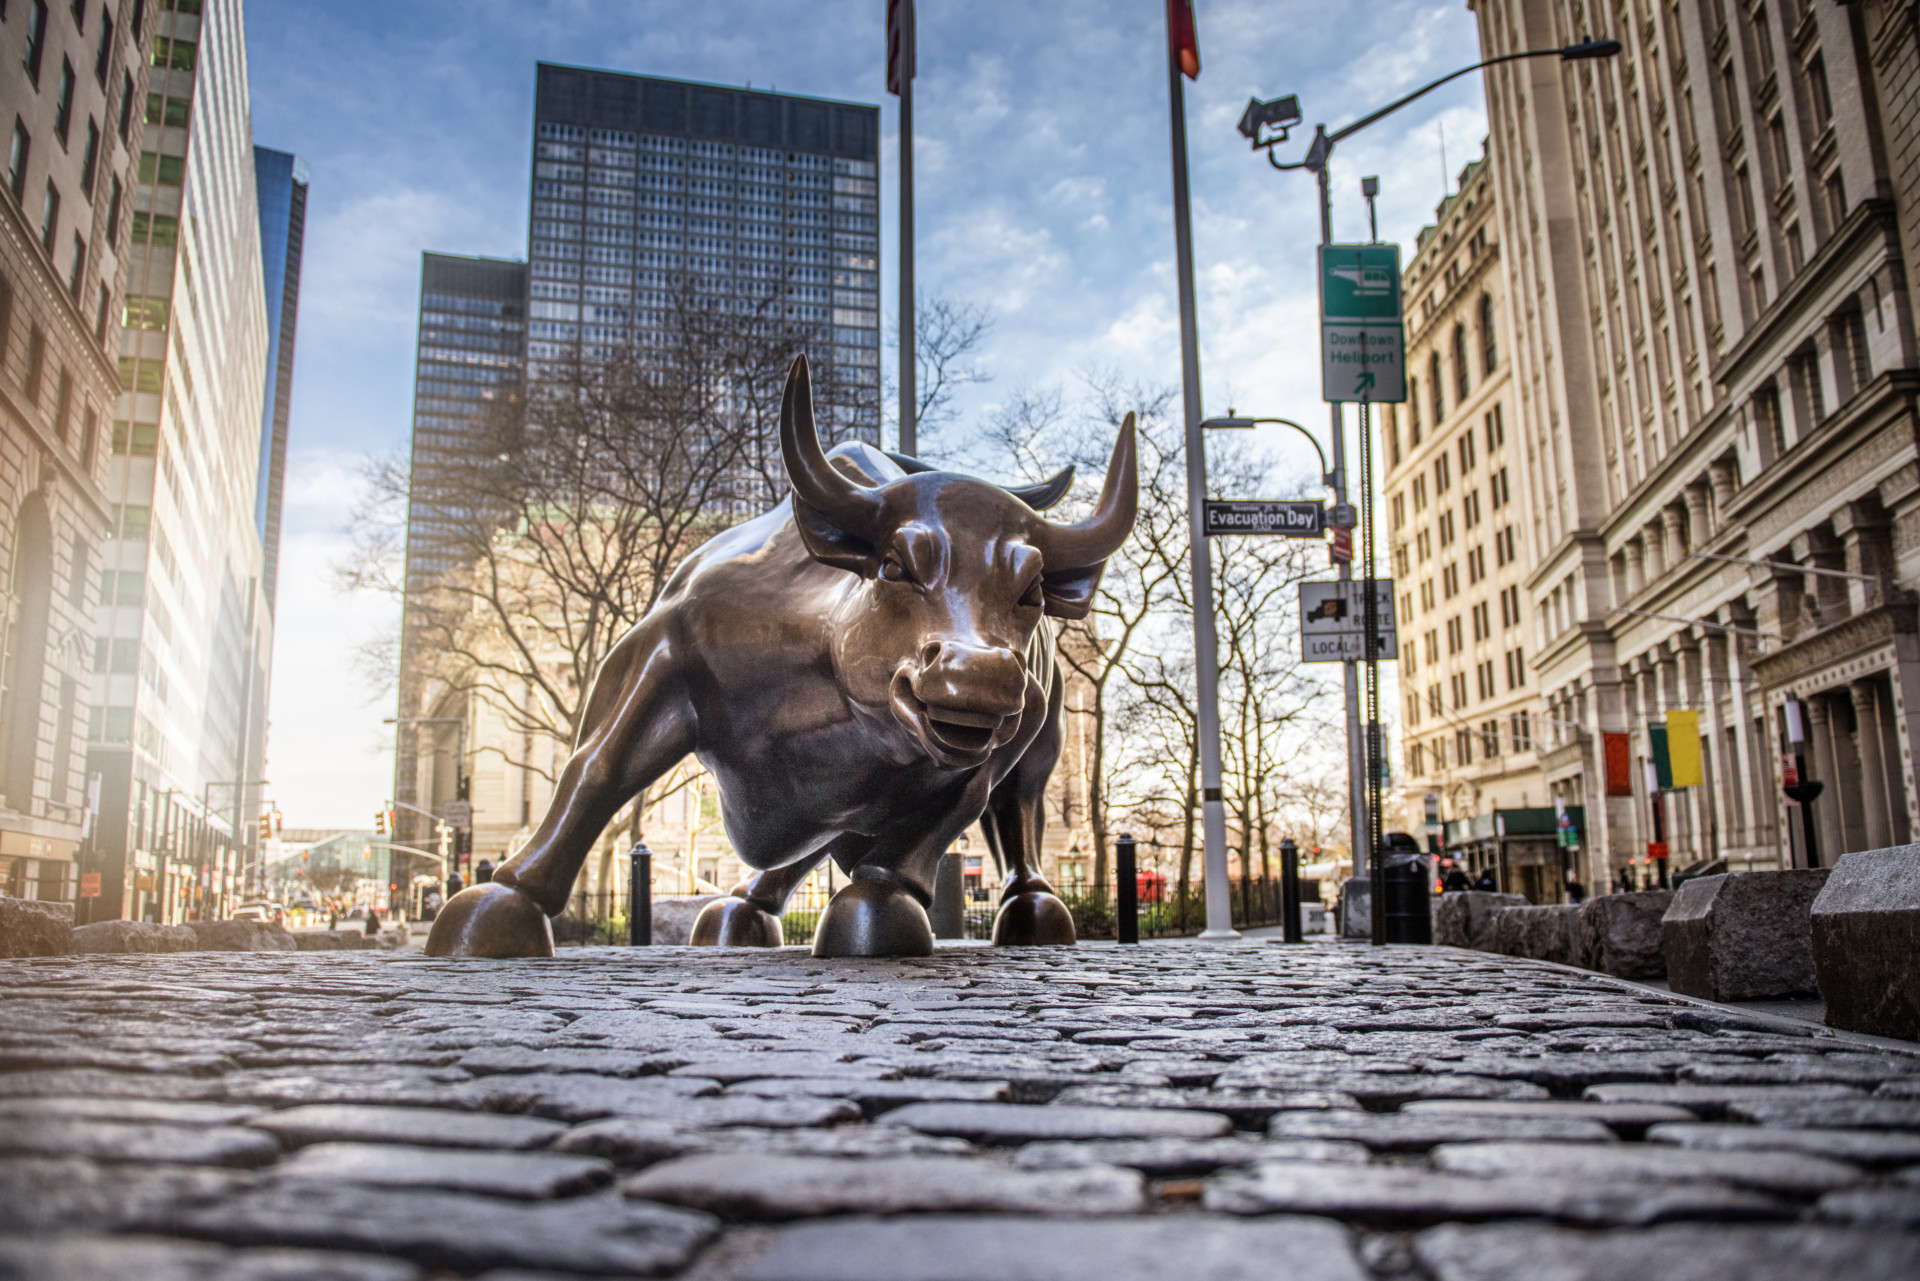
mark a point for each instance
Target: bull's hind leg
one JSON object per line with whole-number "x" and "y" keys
{"x": 750, "y": 916}
{"x": 638, "y": 723}
{"x": 1015, "y": 819}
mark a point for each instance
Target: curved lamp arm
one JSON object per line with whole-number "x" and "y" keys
{"x": 1248, "y": 423}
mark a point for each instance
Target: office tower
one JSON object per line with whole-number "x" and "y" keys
{"x": 1458, "y": 544}
{"x": 181, "y": 619}
{"x": 280, "y": 180}
{"x": 766, "y": 202}
{"x": 470, "y": 355}
{"x": 72, "y": 77}
{"x": 1707, "y": 240}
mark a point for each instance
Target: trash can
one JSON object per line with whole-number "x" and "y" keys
{"x": 1404, "y": 894}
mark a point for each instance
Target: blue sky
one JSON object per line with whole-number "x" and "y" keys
{"x": 1041, "y": 142}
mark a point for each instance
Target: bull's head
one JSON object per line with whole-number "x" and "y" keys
{"x": 958, "y": 574}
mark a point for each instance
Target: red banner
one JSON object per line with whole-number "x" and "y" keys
{"x": 89, "y": 885}
{"x": 1619, "y": 759}
{"x": 1186, "y": 40}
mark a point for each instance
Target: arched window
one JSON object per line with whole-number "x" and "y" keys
{"x": 1489, "y": 341}
{"x": 1461, "y": 373}
{"x": 1433, "y": 381}
{"x": 1393, "y": 437}
{"x": 1413, "y": 413}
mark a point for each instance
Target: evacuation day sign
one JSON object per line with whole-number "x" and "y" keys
{"x": 1363, "y": 345}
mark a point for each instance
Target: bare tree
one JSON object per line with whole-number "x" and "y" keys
{"x": 947, "y": 336}
{"x": 565, "y": 518}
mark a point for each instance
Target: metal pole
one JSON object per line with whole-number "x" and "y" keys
{"x": 640, "y": 897}
{"x": 1127, "y": 892}
{"x": 1219, "y": 890}
{"x": 909, "y": 414}
{"x": 1349, "y": 676}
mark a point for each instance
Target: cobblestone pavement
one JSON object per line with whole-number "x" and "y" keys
{"x": 1164, "y": 1111}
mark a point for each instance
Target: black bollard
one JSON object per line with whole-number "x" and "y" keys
{"x": 1290, "y": 931}
{"x": 1127, "y": 892}
{"x": 640, "y": 898}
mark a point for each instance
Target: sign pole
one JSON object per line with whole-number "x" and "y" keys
{"x": 1200, "y": 559}
{"x": 901, "y": 58}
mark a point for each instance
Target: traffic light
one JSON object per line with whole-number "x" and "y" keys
{"x": 266, "y": 827}
{"x": 279, "y": 822}
{"x": 380, "y": 822}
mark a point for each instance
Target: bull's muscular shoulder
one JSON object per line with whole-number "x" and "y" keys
{"x": 757, "y": 579}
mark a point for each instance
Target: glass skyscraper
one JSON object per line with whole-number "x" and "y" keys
{"x": 281, "y": 181}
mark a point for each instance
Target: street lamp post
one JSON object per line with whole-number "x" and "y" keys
{"x": 1265, "y": 125}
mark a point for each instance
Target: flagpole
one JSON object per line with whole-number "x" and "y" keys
{"x": 1205, "y": 645}
{"x": 909, "y": 416}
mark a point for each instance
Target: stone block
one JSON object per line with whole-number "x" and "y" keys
{"x": 1866, "y": 942}
{"x": 133, "y": 936}
{"x": 673, "y": 918}
{"x": 1548, "y": 933}
{"x": 1025, "y": 1247}
{"x": 1620, "y": 934}
{"x": 29, "y": 927}
{"x": 519, "y": 1176}
{"x": 996, "y": 1123}
{"x": 1640, "y": 1164}
{"x": 242, "y": 936}
{"x": 1465, "y": 917}
{"x": 1416, "y": 1132}
{"x": 1740, "y": 937}
{"x": 333, "y": 941}
{"x": 1524, "y": 1252}
{"x": 420, "y": 1127}
{"x": 1356, "y": 908}
{"x": 752, "y": 1186}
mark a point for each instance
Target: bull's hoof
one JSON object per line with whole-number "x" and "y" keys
{"x": 734, "y": 922}
{"x": 491, "y": 919}
{"x": 1033, "y": 919}
{"x": 873, "y": 918}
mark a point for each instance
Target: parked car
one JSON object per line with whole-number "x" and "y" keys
{"x": 259, "y": 910}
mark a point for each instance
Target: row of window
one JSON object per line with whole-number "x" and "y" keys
{"x": 1484, "y": 740}
{"x": 1462, "y": 689}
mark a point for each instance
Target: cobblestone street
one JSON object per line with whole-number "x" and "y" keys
{"x": 1164, "y": 1111}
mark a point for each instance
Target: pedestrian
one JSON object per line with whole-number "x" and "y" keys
{"x": 1488, "y": 882}
{"x": 333, "y": 918}
{"x": 1576, "y": 892}
{"x": 483, "y": 872}
{"x": 373, "y": 923}
{"x": 1456, "y": 881}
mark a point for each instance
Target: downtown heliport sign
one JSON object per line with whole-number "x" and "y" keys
{"x": 1363, "y": 342}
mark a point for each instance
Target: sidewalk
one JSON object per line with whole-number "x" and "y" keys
{"x": 1099, "y": 1112}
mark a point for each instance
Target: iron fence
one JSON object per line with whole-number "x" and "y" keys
{"x": 1173, "y": 911}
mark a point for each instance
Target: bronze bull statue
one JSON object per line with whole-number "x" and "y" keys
{"x": 865, "y": 672}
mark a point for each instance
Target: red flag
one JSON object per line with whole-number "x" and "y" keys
{"x": 1186, "y": 41}
{"x": 900, "y": 52}
{"x": 1619, "y": 764}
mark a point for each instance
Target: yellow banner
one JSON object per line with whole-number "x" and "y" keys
{"x": 1683, "y": 748}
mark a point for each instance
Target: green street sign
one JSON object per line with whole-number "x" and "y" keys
{"x": 1363, "y": 345}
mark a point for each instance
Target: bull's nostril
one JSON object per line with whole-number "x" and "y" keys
{"x": 929, "y": 654}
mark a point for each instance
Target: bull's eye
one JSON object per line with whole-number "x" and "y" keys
{"x": 1033, "y": 595}
{"x": 894, "y": 571}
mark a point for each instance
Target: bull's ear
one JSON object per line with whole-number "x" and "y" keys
{"x": 1069, "y": 592}
{"x": 831, "y": 545}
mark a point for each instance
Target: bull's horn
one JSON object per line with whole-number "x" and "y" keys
{"x": 1098, "y": 536}
{"x": 816, "y": 482}
{"x": 1046, "y": 493}
{"x": 1039, "y": 497}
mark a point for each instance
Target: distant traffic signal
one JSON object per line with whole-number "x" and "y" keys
{"x": 380, "y": 822}
{"x": 266, "y": 827}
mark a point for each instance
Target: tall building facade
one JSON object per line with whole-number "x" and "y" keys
{"x": 1708, "y": 246}
{"x": 645, "y": 192}
{"x": 280, "y": 181}
{"x": 72, "y": 79}
{"x": 767, "y": 203}
{"x": 1460, "y": 548}
{"x": 471, "y": 353}
{"x": 181, "y": 621}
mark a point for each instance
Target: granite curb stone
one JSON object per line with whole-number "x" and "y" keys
{"x": 1866, "y": 942}
{"x": 1743, "y": 936}
{"x": 32, "y": 927}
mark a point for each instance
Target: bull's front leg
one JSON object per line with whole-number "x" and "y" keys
{"x": 750, "y": 916}
{"x": 882, "y": 909}
{"x": 638, "y": 724}
{"x": 1030, "y": 914}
